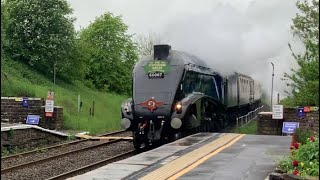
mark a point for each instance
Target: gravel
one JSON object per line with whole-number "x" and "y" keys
{"x": 73, "y": 161}
{"x": 9, "y": 162}
{"x": 5, "y": 163}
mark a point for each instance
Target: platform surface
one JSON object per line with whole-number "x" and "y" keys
{"x": 201, "y": 156}
{"x": 8, "y": 126}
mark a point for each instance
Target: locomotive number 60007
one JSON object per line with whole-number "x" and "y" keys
{"x": 154, "y": 75}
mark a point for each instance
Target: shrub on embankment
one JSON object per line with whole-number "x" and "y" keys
{"x": 22, "y": 81}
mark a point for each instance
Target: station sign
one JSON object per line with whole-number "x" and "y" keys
{"x": 277, "y": 112}
{"x": 49, "y": 107}
{"x": 289, "y": 127}
{"x": 25, "y": 102}
{"x": 300, "y": 112}
{"x": 18, "y": 99}
{"x": 314, "y": 108}
{"x": 306, "y": 109}
{"x": 33, "y": 119}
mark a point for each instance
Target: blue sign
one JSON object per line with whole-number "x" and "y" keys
{"x": 33, "y": 119}
{"x": 289, "y": 127}
{"x": 300, "y": 112}
{"x": 25, "y": 102}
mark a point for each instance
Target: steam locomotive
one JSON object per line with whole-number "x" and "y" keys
{"x": 174, "y": 93}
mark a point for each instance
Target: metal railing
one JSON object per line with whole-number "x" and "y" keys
{"x": 245, "y": 119}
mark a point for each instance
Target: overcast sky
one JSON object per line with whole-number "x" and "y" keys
{"x": 231, "y": 35}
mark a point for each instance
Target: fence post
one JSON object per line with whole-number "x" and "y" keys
{"x": 237, "y": 123}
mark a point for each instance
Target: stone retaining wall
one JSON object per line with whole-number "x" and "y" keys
{"x": 28, "y": 138}
{"x": 268, "y": 126}
{"x": 12, "y": 111}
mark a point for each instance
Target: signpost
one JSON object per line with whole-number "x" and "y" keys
{"x": 49, "y": 108}
{"x": 33, "y": 119}
{"x": 277, "y": 112}
{"x": 289, "y": 127}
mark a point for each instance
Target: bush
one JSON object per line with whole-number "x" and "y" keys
{"x": 304, "y": 160}
{"x": 15, "y": 89}
{"x": 302, "y": 135}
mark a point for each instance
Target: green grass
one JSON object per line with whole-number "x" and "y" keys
{"x": 250, "y": 128}
{"x": 22, "y": 81}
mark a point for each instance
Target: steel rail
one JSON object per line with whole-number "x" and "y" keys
{"x": 57, "y": 146}
{"x": 20, "y": 166}
{"x": 93, "y": 165}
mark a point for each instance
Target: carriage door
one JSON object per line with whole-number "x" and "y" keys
{"x": 251, "y": 91}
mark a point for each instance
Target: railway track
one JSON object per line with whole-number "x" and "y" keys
{"x": 41, "y": 160}
{"x": 45, "y": 149}
{"x": 93, "y": 165}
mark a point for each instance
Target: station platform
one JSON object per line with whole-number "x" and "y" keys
{"x": 201, "y": 156}
{"x": 9, "y": 126}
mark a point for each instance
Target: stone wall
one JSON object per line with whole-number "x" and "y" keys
{"x": 310, "y": 121}
{"x": 12, "y": 111}
{"x": 28, "y": 138}
{"x": 268, "y": 126}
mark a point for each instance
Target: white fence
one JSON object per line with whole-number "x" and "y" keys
{"x": 245, "y": 119}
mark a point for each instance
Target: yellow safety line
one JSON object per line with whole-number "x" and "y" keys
{"x": 175, "y": 168}
{"x": 195, "y": 164}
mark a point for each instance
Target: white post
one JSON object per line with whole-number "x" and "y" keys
{"x": 79, "y": 103}
{"x": 237, "y": 122}
{"x": 54, "y": 73}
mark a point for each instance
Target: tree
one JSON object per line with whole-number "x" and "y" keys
{"x": 4, "y": 21}
{"x": 40, "y": 34}
{"x": 4, "y": 41}
{"x": 305, "y": 80}
{"x": 112, "y": 53}
{"x": 145, "y": 43}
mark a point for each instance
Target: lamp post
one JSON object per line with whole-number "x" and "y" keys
{"x": 272, "y": 83}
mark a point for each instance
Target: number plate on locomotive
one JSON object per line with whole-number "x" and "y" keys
{"x": 155, "y": 75}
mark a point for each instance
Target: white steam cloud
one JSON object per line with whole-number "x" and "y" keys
{"x": 231, "y": 35}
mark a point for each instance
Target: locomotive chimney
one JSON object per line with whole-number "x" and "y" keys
{"x": 161, "y": 52}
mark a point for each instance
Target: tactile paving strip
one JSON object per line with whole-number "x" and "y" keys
{"x": 188, "y": 159}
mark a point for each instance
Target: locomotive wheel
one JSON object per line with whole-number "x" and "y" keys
{"x": 206, "y": 126}
{"x": 137, "y": 141}
{"x": 176, "y": 136}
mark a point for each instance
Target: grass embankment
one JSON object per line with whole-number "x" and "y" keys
{"x": 250, "y": 128}
{"x": 22, "y": 80}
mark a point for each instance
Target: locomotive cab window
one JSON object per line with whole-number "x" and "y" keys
{"x": 195, "y": 82}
